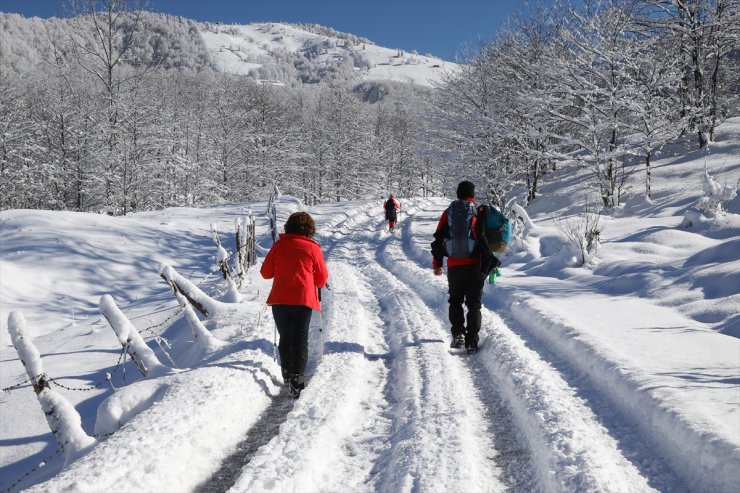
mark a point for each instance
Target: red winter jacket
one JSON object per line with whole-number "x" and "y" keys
{"x": 456, "y": 262}
{"x": 297, "y": 264}
{"x": 396, "y": 203}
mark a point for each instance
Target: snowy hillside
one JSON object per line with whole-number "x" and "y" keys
{"x": 618, "y": 376}
{"x": 273, "y": 53}
{"x": 245, "y": 49}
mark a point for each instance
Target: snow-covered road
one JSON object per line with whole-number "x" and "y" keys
{"x": 391, "y": 409}
{"x": 388, "y": 406}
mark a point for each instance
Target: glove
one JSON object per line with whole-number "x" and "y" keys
{"x": 438, "y": 271}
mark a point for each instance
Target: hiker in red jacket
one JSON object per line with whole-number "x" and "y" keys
{"x": 455, "y": 238}
{"x": 391, "y": 206}
{"x": 297, "y": 265}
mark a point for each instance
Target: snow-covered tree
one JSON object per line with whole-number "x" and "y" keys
{"x": 590, "y": 91}
{"x": 704, "y": 34}
{"x": 653, "y": 101}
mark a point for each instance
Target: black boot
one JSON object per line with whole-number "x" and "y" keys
{"x": 457, "y": 341}
{"x": 297, "y": 383}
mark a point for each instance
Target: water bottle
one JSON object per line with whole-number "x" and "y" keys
{"x": 493, "y": 275}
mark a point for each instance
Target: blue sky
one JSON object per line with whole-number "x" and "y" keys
{"x": 439, "y": 27}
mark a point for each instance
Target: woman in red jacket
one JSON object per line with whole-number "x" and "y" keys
{"x": 297, "y": 265}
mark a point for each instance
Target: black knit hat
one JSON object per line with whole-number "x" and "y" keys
{"x": 465, "y": 189}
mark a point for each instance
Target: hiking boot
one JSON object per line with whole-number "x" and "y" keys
{"x": 457, "y": 341}
{"x": 471, "y": 342}
{"x": 296, "y": 384}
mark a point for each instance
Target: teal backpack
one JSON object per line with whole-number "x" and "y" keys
{"x": 496, "y": 228}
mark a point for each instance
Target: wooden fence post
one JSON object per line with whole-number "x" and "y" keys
{"x": 130, "y": 338}
{"x": 223, "y": 257}
{"x": 251, "y": 241}
{"x": 201, "y": 301}
{"x": 62, "y": 417}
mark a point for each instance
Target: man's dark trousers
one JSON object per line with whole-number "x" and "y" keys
{"x": 465, "y": 286}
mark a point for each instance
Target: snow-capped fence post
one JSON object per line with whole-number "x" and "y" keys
{"x": 200, "y": 333}
{"x": 62, "y": 417}
{"x": 27, "y": 352}
{"x": 521, "y": 214}
{"x": 246, "y": 244}
{"x": 521, "y": 225}
{"x": 250, "y": 241}
{"x": 232, "y": 292}
{"x": 223, "y": 256}
{"x": 272, "y": 211}
{"x": 241, "y": 254}
{"x": 200, "y": 301}
{"x": 201, "y": 336}
{"x": 130, "y": 338}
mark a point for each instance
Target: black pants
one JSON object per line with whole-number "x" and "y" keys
{"x": 292, "y": 323}
{"x": 465, "y": 286}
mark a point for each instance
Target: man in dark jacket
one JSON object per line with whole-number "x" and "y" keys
{"x": 464, "y": 278}
{"x": 391, "y": 207}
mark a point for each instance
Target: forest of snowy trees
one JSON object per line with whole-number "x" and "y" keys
{"x": 119, "y": 110}
{"x": 608, "y": 83}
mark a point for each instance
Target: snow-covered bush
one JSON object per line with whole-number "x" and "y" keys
{"x": 710, "y": 204}
{"x": 714, "y": 194}
{"x": 521, "y": 226}
{"x": 584, "y": 234}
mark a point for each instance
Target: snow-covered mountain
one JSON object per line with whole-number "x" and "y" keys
{"x": 270, "y": 52}
{"x": 255, "y": 48}
{"x": 618, "y": 376}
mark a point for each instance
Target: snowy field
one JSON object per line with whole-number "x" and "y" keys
{"x": 623, "y": 375}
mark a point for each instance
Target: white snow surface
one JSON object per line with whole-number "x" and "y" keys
{"x": 622, "y": 375}
{"x": 241, "y": 48}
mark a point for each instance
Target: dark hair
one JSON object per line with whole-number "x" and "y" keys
{"x": 465, "y": 189}
{"x": 300, "y": 223}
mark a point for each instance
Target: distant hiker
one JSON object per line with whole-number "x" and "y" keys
{"x": 296, "y": 263}
{"x": 456, "y": 238}
{"x": 391, "y": 206}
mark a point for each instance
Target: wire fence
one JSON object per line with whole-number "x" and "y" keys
{"x": 45, "y": 381}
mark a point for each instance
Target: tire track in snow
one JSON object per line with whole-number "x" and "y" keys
{"x": 388, "y": 407}
{"x": 512, "y": 451}
{"x": 439, "y": 439}
{"x": 237, "y": 471}
{"x": 258, "y": 435}
{"x": 571, "y": 448}
{"x": 330, "y": 439}
{"x": 597, "y": 394}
